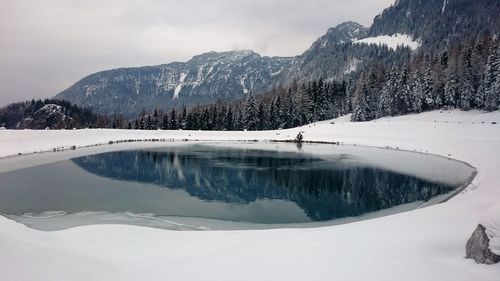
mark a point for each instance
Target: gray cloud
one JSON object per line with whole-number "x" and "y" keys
{"x": 48, "y": 45}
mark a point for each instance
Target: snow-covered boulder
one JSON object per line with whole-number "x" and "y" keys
{"x": 477, "y": 247}
{"x": 484, "y": 244}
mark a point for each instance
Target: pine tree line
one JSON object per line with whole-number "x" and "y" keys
{"x": 465, "y": 77}
{"x": 281, "y": 108}
{"x": 13, "y": 116}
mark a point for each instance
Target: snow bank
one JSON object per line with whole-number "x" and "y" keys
{"x": 425, "y": 244}
{"x": 392, "y": 41}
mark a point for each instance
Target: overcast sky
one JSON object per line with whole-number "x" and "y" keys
{"x": 46, "y": 46}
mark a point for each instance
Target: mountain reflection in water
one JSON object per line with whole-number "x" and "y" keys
{"x": 324, "y": 188}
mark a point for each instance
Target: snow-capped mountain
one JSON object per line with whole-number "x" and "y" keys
{"x": 337, "y": 54}
{"x": 429, "y": 25}
{"x": 339, "y": 35}
{"x": 403, "y": 28}
{"x": 205, "y": 78}
{"x": 214, "y": 76}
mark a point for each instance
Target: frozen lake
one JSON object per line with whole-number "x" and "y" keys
{"x": 227, "y": 185}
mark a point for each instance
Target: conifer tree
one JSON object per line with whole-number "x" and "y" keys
{"x": 450, "y": 90}
{"x": 387, "y": 95}
{"x": 278, "y": 121}
{"x": 142, "y": 126}
{"x": 271, "y": 116}
{"x": 427, "y": 87}
{"x": 495, "y": 103}
{"x": 359, "y": 103}
{"x": 305, "y": 106}
{"x": 183, "y": 120}
{"x": 214, "y": 124}
{"x": 239, "y": 122}
{"x": 417, "y": 90}
{"x": 165, "y": 123}
{"x": 250, "y": 115}
{"x": 261, "y": 117}
{"x": 173, "y": 120}
{"x": 487, "y": 97}
{"x": 372, "y": 95}
{"x": 290, "y": 116}
{"x": 228, "y": 120}
{"x": 205, "y": 120}
{"x": 465, "y": 81}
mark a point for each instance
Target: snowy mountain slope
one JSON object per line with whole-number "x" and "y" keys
{"x": 221, "y": 76}
{"x": 342, "y": 33}
{"x": 428, "y": 25}
{"x": 439, "y": 23}
{"x": 425, "y": 244}
{"x": 391, "y": 41}
{"x": 203, "y": 79}
{"x": 335, "y": 55}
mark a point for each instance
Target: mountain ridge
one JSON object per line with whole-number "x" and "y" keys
{"x": 230, "y": 75}
{"x": 202, "y": 79}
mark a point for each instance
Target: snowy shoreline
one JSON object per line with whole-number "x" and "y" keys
{"x": 425, "y": 244}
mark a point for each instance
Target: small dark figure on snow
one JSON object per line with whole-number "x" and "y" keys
{"x": 299, "y": 138}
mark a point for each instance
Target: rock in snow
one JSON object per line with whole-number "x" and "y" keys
{"x": 478, "y": 247}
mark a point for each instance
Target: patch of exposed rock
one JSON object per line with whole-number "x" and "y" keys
{"x": 478, "y": 247}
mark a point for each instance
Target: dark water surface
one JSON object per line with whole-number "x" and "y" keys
{"x": 236, "y": 184}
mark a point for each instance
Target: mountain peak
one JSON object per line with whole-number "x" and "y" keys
{"x": 347, "y": 31}
{"x": 350, "y": 29}
{"x": 213, "y": 76}
{"x": 219, "y": 55}
{"x": 340, "y": 34}
{"x": 201, "y": 80}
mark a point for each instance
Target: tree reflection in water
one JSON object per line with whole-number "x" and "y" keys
{"x": 324, "y": 189}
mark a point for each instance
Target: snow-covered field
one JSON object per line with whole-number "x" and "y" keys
{"x": 425, "y": 244}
